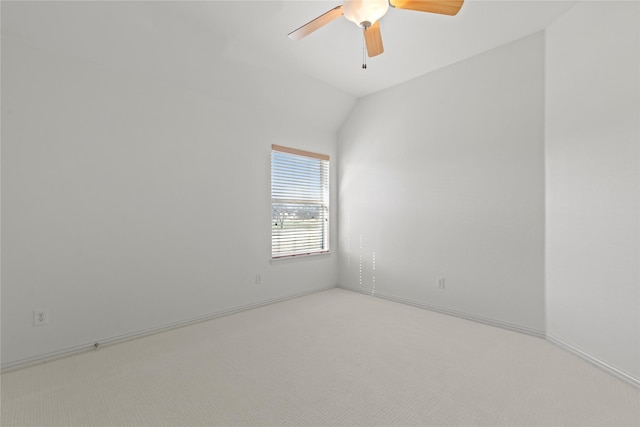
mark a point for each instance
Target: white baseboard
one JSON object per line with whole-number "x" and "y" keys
{"x": 594, "y": 360}
{"x": 468, "y": 316}
{"x": 70, "y": 351}
{"x": 48, "y": 357}
{"x": 505, "y": 325}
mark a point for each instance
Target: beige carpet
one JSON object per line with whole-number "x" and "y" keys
{"x": 331, "y": 358}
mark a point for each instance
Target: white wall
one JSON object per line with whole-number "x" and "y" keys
{"x": 442, "y": 176}
{"x": 593, "y": 183}
{"x": 135, "y": 175}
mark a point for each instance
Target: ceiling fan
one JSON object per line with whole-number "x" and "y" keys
{"x": 366, "y": 13}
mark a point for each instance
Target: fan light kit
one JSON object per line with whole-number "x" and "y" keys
{"x": 367, "y": 13}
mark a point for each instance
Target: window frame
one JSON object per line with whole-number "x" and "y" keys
{"x": 322, "y": 204}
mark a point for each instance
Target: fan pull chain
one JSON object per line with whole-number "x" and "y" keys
{"x": 364, "y": 52}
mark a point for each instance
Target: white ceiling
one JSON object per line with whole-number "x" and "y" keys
{"x": 415, "y": 42}
{"x": 255, "y": 33}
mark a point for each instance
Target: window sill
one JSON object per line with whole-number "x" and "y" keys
{"x": 291, "y": 258}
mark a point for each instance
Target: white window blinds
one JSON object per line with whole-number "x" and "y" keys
{"x": 299, "y": 202}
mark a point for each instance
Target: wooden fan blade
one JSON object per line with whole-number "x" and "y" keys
{"x": 444, "y": 7}
{"x": 320, "y": 21}
{"x": 373, "y": 37}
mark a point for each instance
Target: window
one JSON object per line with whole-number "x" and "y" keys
{"x": 299, "y": 202}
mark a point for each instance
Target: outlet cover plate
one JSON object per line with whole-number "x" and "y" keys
{"x": 40, "y": 316}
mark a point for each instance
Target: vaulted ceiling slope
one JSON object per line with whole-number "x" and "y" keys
{"x": 239, "y": 50}
{"x": 415, "y": 43}
{"x": 165, "y": 41}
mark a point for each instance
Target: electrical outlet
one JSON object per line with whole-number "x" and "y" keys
{"x": 258, "y": 279}
{"x": 440, "y": 282}
{"x": 40, "y": 316}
